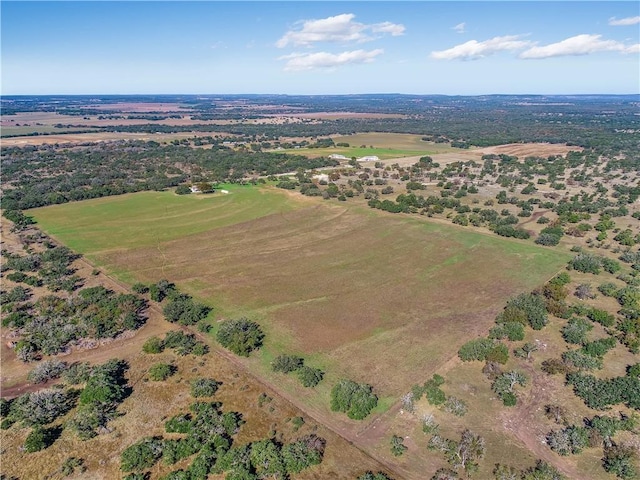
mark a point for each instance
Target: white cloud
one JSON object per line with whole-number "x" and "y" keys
{"x": 395, "y": 29}
{"x": 579, "y": 45}
{"x": 624, "y": 22}
{"x": 325, "y": 60}
{"x": 460, "y": 27}
{"x": 632, "y": 49}
{"x": 339, "y": 28}
{"x": 474, "y": 49}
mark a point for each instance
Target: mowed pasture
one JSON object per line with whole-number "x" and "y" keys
{"x": 145, "y": 219}
{"x": 383, "y": 145}
{"x": 398, "y": 141}
{"x": 376, "y": 297}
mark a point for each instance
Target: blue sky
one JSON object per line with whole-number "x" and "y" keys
{"x": 332, "y": 47}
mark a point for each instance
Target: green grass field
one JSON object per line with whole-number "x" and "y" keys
{"x": 362, "y": 294}
{"x": 381, "y": 153}
{"x": 377, "y": 297}
{"x": 149, "y": 218}
{"x": 382, "y": 145}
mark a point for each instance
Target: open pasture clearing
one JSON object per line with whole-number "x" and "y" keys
{"x": 397, "y": 141}
{"x": 150, "y": 218}
{"x": 383, "y": 145}
{"x": 381, "y": 153}
{"x": 96, "y": 137}
{"x": 444, "y": 154}
{"x": 151, "y": 403}
{"x": 377, "y": 297}
{"x": 523, "y": 150}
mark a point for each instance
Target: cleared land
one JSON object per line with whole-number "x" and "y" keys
{"x": 383, "y": 145}
{"x": 377, "y": 297}
{"x": 363, "y": 294}
{"x": 151, "y": 403}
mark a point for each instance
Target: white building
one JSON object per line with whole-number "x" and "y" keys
{"x": 369, "y": 158}
{"x": 321, "y": 177}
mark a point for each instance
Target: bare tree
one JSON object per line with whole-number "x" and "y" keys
{"x": 407, "y": 402}
{"x": 584, "y": 291}
{"x": 556, "y": 413}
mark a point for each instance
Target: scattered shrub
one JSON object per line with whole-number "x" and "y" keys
{"x": 309, "y": 376}
{"x": 204, "y": 387}
{"x": 356, "y": 400}
{"x": 47, "y": 370}
{"x": 287, "y": 363}
{"x": 240, "y": 336}
{"x": 161, "y": 371}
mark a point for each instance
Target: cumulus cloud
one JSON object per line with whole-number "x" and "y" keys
{"x": 395, "y": 29}
{"x": 474, "y": 49}
{"x": 624, "y": 22}
{"x": 460, "y": 27}
{"x": 579, "y": 45}
{"x": 339, "y": 28}
{"x": 326, "y": 60}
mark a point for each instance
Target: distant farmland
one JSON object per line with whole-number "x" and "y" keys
{"x": 377, "y": 297}
{"x": 383, "y": 145}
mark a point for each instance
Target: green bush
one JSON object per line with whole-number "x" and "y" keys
{"x": 184, "y": 344}
{"x": 142, "y": 455}
{"x": 477, "y": 349}
{"x": 356, "y": 400}
{"x": 582, "y": 361}
{"x": 183, "y": 310}
{"x": 287, "y": 363}
{"x": 498, "y": 354}
{"x": 71, "y": 464}
{"x": 509, "y": 399}
{"x": 514, "y": 331}
{"x": 5, "y": 407}
{"x": 548, "y": 239}
{"x": 309, "y": 376}
{"x": 204, "y": 387}
{"x": 38, "y": 439}
{"x": 620, "y": 460}
{"x": 240, "y": 336}
{"x": 77, "y": 372}
{"x": 526, "y": 306}
{"x": 303, "y": 453}
{"x": 608, "y": 289}
{"x": 586, "y": 263}
{"x": 575, "y": 331}
{"x": 153, "y": 345}
{"x": 374, "y": 476}
{"x": 397, "y": 447}
{"x": 161, "y": 371}
{"x": 602, "y": 317}
{"x": 598, "y": 348}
